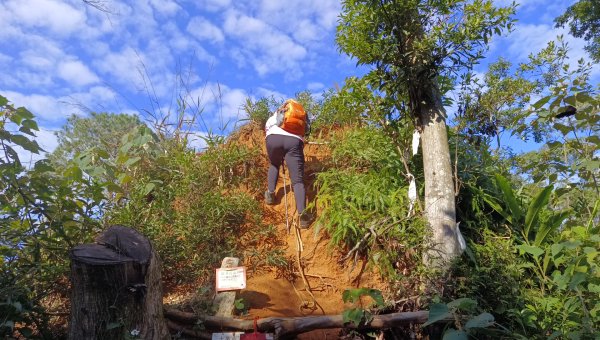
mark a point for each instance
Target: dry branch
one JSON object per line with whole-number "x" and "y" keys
{"x": 283, "y": 327}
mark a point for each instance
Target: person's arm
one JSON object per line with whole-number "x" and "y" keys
{"x": 307, "y": 127}
{"x": 271, "y": 121}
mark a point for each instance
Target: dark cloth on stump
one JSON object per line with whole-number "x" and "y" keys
{"x": 280, "y": 147}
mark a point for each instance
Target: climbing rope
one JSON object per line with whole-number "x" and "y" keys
{"x": 299, "y": 249}
{"x": 287, "y": 219}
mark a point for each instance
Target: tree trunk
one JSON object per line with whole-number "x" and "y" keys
{"x": 440, "y": 209}
{"x": 116, "y": 288}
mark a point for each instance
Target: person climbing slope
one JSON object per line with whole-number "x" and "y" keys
{"x": 285, "y": 131}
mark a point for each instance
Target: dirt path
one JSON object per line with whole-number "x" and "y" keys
{"x": 269, "y": 294}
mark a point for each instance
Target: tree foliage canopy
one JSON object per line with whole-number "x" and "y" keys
{"x": 102, "y": 130}
{"x": 411, "y": 41}
{"x": 583, "y": 19}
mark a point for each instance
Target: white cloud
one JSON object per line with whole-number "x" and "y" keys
{"x": 5, "y": 58}
{"x": 46, "y": 139}
{"x": 315, "y": 86}
{"x": 96, "y": 99}
{"x": 196, "y": 140}
{"x": 125, "y": 67}
{"x": 203, "y": 29}
{"x": 266, "y": 48}
{"x": 46, "y": 107}
{"x": 232, "y": 101}
{"x": 529, "y": 38}
{"x": 166, "y": 7}
{"x": 212, "y": 5}
{"x": 75, "y": 72}
{"x": 219, "y": 102}
{"x": 268, "y": 93}
{"x": 56, "y": 16}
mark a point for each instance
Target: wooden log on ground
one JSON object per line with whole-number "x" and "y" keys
{"x": 116, "y": 288}
{"x": 284, "y": 327}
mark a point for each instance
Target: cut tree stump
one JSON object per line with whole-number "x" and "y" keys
{"x": 116, "y": 288}
{"x": 225, "y": 301}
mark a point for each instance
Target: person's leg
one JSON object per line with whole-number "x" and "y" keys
{"x": 294, "y": 159}
{"x": 275, "y": 151}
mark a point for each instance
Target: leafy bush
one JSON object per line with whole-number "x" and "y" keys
{"x": 564, "y": 284}
{"x": 259, "y": 111}
{"x": 186, "y": 203}
{"x": 363, "y": 201}
{"x": 494, "y": 278}
{"x": 43, "y": 214}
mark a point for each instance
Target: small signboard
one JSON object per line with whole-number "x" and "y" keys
{"x": 227, "y": 336}
{"x": 231, "y": 278}
{"x": 237, "y": 336}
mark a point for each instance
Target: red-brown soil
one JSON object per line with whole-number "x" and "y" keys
{"x": 276, "y": 292}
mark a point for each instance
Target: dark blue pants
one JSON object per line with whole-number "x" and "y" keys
{"x": 280, "y": 147}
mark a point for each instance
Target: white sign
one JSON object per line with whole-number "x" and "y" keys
{"x": 227, "y": 336}
{"x": 231, "y": 278}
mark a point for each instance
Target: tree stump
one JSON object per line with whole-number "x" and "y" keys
{"x": 116, "y": 288}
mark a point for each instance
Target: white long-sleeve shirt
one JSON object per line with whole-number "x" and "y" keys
{"x": 271, "y": 128}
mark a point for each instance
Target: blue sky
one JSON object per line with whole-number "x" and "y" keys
{"x": 62, "y": 57}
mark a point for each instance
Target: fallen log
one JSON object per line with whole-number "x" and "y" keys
{"x": 284, "y": 327}
{"x": 178, "y": 329}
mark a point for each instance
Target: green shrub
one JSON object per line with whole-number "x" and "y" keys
{"x": 188, "y": 204}
{"x": 363, "y": 202}
{"x": 43, "y": 214}
{"x": 494, "y": 280}
{"x": 260, "y": 110}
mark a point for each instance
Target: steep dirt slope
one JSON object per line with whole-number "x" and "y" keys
{"x": 285, "y": 294}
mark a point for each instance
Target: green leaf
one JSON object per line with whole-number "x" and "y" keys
{"x": 112, "y": 187}
{"x": 564, "y": 129}
{"x": 437, "y": 312}
{"x": 3, "y": 101}
{"x": 454, "y": 334}
{"x": 537, "y": 105}
{"x": 549, "y": 226}
{"x": 124, "y": 178}
{"x": 24, "y": 113}
{"x": 536, "y": 205}
{"x": 533, "y": 250}
{"x": 482, "y": 320}
{"x": 354, "y": 315}
{"x": 570, "y": 100}
{"x": 131, "y": 161}
{"x": 377, "y": 297}
{"x": 509, "y": 197}
{"x": 43, "y": 166}
{"x": 578, "y": 278}
{"x": 25, "y": 143}
{"x": 462, "y": 304}
{"x": 148, "y": 188}
{"x": 26, "y": 332}
{"x": 583, "y": 97}
{"x": 594, "y": 288}
{"x": 556, "y": 249}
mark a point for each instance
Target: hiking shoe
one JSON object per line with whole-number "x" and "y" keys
{"x": 269, "y": 197}
{"x": 306, "y": 219}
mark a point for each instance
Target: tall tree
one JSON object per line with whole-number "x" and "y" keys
{"x": 102, "y": 130}
{"x": 410, "y": 45}
{"x": 583, "y": 18}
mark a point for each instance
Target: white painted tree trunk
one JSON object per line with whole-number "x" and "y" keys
{"x": 440, "y": 209}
